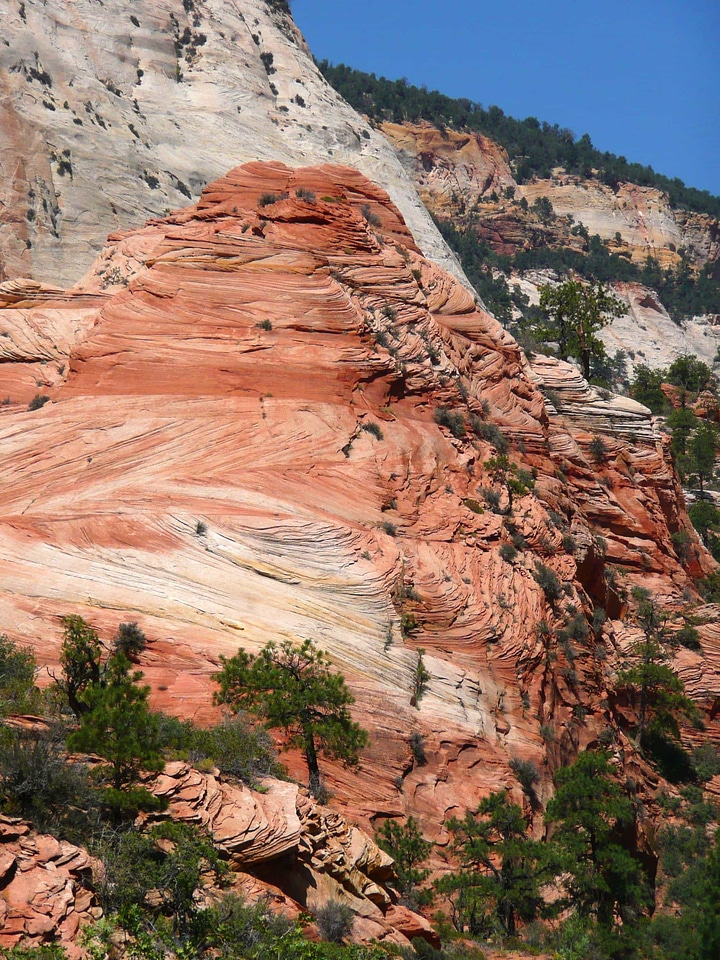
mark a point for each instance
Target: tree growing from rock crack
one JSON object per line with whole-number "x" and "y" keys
{"x": 658, "y": 688}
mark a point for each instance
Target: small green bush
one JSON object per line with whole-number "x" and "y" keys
{"x": 18, "y": 693}
{"x": 527, "y": 774}
{"x": 548, "y": 581}
{"x": 264, "y": 325}
{"x": 129, "y": 640}
{"x": 508, "y": 552}
{"x": 266, "y": 59}
{"x": 233, "y": 746}
{"x": 490, "y": 433}
{"x": 39, "y": 784}
{"x": 389, "y": 528}
{"x": 408, "y": 624}
{"x": 47, "y": 951}
{"x": 706, "y": 761}
{"x": 687, "y": 636}
{"x": 492, "y": 498}
{"x": 372, "y": 218}
{"x": 417, "y": 745}
{"x": 576, "y": 628}
{"x": 335, "y": 921}
{"x": 598, "y": 450}
{"x": 452, "y": 420}
{"x": 374, "y": 428}
{"x": 568, "y": 543}
{"x": 38, "y": 401}
{"x": 421, "y": 679}
{"x": 303, "y": 194}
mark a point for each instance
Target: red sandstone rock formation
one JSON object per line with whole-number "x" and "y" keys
{"x": 303, "y": 853}
{"x": 271, "y": 364}
{"x": 46, "y": 888}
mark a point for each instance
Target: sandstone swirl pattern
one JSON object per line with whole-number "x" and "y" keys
{"x": 221, "y": 367}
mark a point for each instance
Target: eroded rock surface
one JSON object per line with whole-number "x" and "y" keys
{"x": 248, "y": 439}
{"x": 283, "y": 841}
{"x": 114, "y": 112}
{"x": 46, "y": 888}
{"x": 459, "y": 173}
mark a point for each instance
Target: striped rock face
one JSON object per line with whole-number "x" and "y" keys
{"x": 270, "y": 417}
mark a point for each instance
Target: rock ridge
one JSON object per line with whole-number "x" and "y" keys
{"x": 100, "y": 101}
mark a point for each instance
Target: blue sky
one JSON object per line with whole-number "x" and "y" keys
{"x": 642, "y": 78}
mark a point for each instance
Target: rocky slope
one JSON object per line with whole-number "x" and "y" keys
{"x": 276, "y": 373}
{"x": 114, "y": 112}
{"x": 647, "y": 333}
{"x": 468, "y": 179}
{"x": 46, "y": 888}
{"x": 278, "y": 844}
{"x": 458, "y": 172}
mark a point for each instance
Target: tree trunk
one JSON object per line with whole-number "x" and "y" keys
{"x": 585, "y": 362}
{"x": 311, "y": 758}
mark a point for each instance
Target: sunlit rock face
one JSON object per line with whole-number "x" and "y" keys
{"x": 467, "y": 179}
{"x": 459, "y": 173}
{"x": 114, "y": 112}
{"x": 271, "y": 418}
{"x": 47, "y": 888}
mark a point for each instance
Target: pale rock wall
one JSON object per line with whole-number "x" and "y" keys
{"x": 97, "y": 134}
{"x": 641, "y": 215}
{"x": 647, "y": 333}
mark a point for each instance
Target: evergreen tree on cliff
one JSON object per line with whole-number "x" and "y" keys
{"x": 292, "y": 688}
{"x": 576, "y": 312}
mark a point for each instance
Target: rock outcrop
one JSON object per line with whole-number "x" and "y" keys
{"x": 646, "y": 333}
{"x": 278, "y": 420}
{"x": 467, "y": 179}
{"x": 46, "y": 888}
{"x": 279, "y": 844}
{"x": 642, "y": 216}
{"x": 467, "y": 173}
{"x": 450, "y": 169}
{"x": 115, "y": 112}
{"x": 283, "y": 841}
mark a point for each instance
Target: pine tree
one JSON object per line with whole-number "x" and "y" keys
{"x": 502, "y": 868}
{"x": 292, "y": 688}
{"x": 587, "y": 817}
{"x": 118, "y": 726}
{"x": 577, "y": 311}
{"x": 660, "y": 691}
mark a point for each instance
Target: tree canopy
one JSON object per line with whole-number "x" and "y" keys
{"x": 650, "y": 676}
{"x": 18, "y": 693}
{"x": 576, "y": 312}
{"x": 588, "y": 814}
{"x": 292, "y": 688}
{"x": 118, "y": 725}
{"x": 502, "y": 869}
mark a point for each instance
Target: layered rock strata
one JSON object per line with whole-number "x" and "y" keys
{"x": 46, "y": 888}
{"x": 271, "y": 418}
{"x": 459, "y": 174}
{"x": 305, "y": 854}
